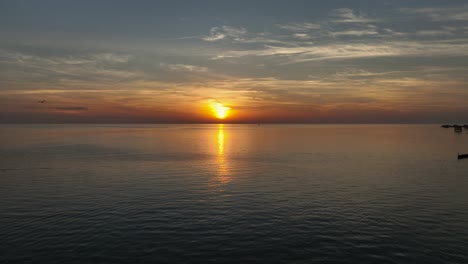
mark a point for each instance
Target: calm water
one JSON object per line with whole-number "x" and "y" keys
{"x": 233, "y": 194}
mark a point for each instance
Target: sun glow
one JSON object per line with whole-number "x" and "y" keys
{"x": 219, "y": 110}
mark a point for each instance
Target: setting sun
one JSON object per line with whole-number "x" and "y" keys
{"x": 219, "y": 110}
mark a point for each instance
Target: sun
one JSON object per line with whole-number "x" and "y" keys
{"x": 219, "y": 110}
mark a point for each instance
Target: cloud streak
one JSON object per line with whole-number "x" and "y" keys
{"x": 225, "y": 32}
{"x": 299, "y": 27}
{"x": 353, "y": 51}
{"x": 185, "y": 68}
{"x": 459, "y": 13}
{"x": 95, "y": 66}
{"x": 348, "y": 15}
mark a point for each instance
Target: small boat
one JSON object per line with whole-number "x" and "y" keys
{"x": 462, "y": 156}
{"x": 445, "y": 126}
{"x": 457, "y": 129}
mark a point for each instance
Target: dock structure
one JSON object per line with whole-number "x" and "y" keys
{"x": 456, "y": 128}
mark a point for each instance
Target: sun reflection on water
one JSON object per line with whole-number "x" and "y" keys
{"x": 223, "y": 172}
{"x": 221, "y": 140}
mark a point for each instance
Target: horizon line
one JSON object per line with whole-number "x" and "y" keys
{"x": 234, "y": 123}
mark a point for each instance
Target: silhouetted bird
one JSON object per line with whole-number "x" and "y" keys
{"x": 41, "y": 101}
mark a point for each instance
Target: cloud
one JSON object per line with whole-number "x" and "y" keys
{"x": 320, "y": 52}
{"x": 459, "y": 13}
{"x": 349, "y": 51}
{"x": 347, "y": 15}
{"x": 94, "y": 58}
{"x": 443, "y": 31}
{"x": 360, "y": 73}
{"x": 299, "y": 27}
{"x": 388, "y": 32}
{"x": 343, "y": 22}
{"x": 215, "y": 34}
{"x": 87, "y": 66}
{"x": 219, "y": 33}
{"x": 120, "y": 74}
{"x": 302, "y": 36}
{"x": 109, "y": 57}
{"x": 264, "y": 39}
{"x": 184, "y": 67}
{"x": 355, "y": 33}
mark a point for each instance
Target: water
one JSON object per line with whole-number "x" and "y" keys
{"x": 233, "y": 194}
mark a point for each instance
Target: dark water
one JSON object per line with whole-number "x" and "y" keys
{"x": 233, "y": 194}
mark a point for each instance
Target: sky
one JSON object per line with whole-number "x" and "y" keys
{"x": 362, "y": 61}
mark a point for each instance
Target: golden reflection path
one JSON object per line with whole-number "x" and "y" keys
{"x": 223, "y": 171}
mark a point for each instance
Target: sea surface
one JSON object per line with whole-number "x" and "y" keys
{"x": 233, "y": 194}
